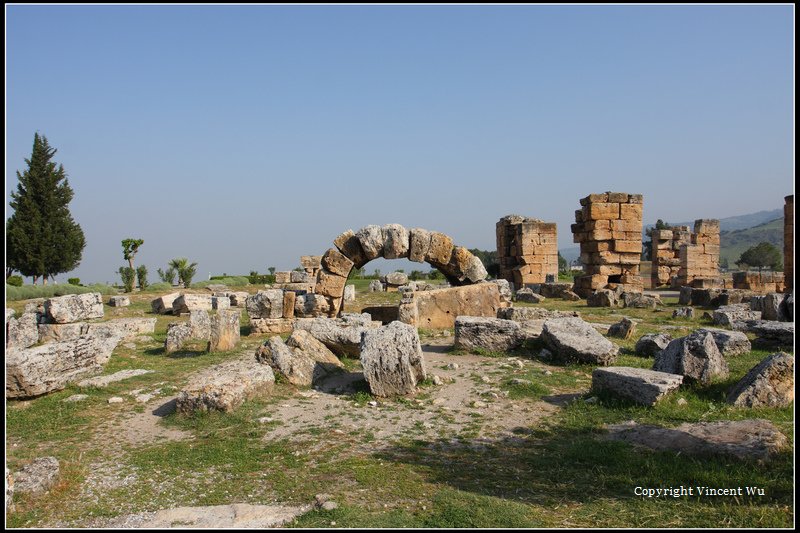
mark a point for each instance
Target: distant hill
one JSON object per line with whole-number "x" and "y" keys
{"x": 733, "y": 243}
{"x": 736, "y": 223}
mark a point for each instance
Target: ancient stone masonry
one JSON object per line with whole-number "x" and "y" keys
{"x": 666, "y": 254}
{"x": 527, "y": 249}
{"x": 700, "y": 259}
{"x": 760, "y": 282}
{"x": 609, "y": 230}
{"x": 788, "y": 242}
{"x": 311, "y": 265}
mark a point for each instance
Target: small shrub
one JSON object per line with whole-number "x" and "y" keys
{"x": 141, "y": 274}
{"x": 74, "y": 281}
{"x": 128, "y": 276}
{"x": 256, "y": 279}
{"x": 168, "y": 276}
{"x": 14, "y": 281}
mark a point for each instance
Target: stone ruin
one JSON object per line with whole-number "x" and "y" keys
{"x": 527, "y": 250}
{"x": 666, "y": 255}
{"x": 699, "y": 260}
{"x": 759, "y": 282}
{"x": 53, "y": 343}
{"x": 788, "y": 241}
{"x": 609, "y": 230}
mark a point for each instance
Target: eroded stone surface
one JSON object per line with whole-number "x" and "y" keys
{"x": 234, "y": 516}
{"x": 21, "y": 332}
{"x": 742, "y": 439}
{"x": 186, "y": 303}
{"x": 642, "y": 386}
{"x": 224, "y": 330}
{"x": 73, "y": 308}
{"x": 163, "y": 304}
{"x": 570, "y": 339}
{"x": 49, "y": 367}
{"x": 492, "y": 334}
{"x": 341, "y": 335}
{"x": 624, "y": 329}
{"x": 729, "y": 342}
{"x": 696, "y": 357}
{"x": 652, "y": 343}
{"x": 769, "y": 384}
{"x": 392, "y": 359}
{"x": 226, "y": 386}
{"x": 266, "y": 304}
{"x": 37, "y": 477}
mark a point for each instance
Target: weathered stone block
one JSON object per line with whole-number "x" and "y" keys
{"x": 439, "y": 308}
{"x": 645, "y": 387}
{"x": 226, "y": 386}
{"x": 392, "y": 359}
{"x": 419, "y": 244}
{"x": 573, "y": 340}
{"x": 492, "y": 334}
{"x": 341, "y": 335}
{"x": 73, "y": 308}
{"x": 695, "y": 357}
{"x": 119, "y": 301}
{"x": 395, "y": 241}
{"x": 265, "y": 304}
{"x": 652, "y": 343}
{"x": 371, "y": 240}
{"x": 337, "y": 263}
{"x": 185, "y": 303}
{"x": 225, "y": 330}
{"x": 769, "y": 384}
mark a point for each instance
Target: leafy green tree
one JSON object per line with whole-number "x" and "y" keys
{"x": 435, "y": 274}
{"x": 129, "y": 249}
{"x": 762, "y": 255}
{"x": 42, "y": 239}
{"x": 489, "y": 260}
{"x": 271, "y": 271}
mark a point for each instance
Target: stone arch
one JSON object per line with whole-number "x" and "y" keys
{"x": 393, "y": 241}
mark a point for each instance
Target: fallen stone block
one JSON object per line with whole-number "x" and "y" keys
{"x": 226, "y": 386}
{"x": 163, "y": 304}
{"x": 341, "y": 335}
{"x": 683, "y": 312}
{"x": 391, "y": 357}
{"x": 645, "y": 387}
{"x": 119, "y": 301}
{"x": 624, "y": 329}
{"x": 528, "y": 296}
{"x": 573, "y": 340}
{"x": 770, "y": 334}
{"x": 603, "y": 298}
{"x": 49, "y": 367}
{"x": 224, "y": 330}
{"x": 652, "y": 343}
{"x": 769, "y": 384}
{"x": 73, "y": 308}
{"x": 349, "y": 293}
{"x": 265, "y": 304}
{"x": 220, "y": 302}
{"x": 21, "y": 332}
{"x": 178, "y": 333}
{"x": 438, "y": 309}
{"x": 492, "y": 334}
{"x": 696, "y": 357}
{"x": 743, "y": 439}
{"x": 260, "y": 326}
{"x": 376, "y": 286}
{"x": 521, "y": 314}
{"x": 730, "y": 343}
{"x": 302, "y": 360}
{"x": 728, "y": 314}
{"x": 186, "y": 303}
{"x": 640, "y": 300}
{"x": 101, "y": 382}
{"x": 127, "y": 328}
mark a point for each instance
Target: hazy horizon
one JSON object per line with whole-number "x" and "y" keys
{"x": 243, "y": 137}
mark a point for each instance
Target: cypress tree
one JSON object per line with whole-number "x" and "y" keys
{"x": 42, "y": 239}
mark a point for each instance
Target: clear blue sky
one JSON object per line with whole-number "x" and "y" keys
{"x": 245, "y": 136}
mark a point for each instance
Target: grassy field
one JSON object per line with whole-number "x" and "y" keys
{"x": 531, "y": 458}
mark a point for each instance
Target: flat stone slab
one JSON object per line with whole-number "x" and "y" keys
{"x": 73, "y": 308}
{"x": 127, "y": 328}
{"x": 743, "y": 439}
{"x": 226, "y": 386}
{"x": 493, "y": 334}
{"x": 105, "y": 381}
{"x": 237, "y": 515}
{"x": 769, "y": 332}
{"x": 573, "y": 340}
{"x": 341, "y": 335}
{"x": 642, "y": 386}
{"x": 520, "y": 314}
{"x": 728, "y": 314}
{"x": 650, "y": 344}
{"x": 49, "y": 367}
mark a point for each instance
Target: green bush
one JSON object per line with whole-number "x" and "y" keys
{"x": 256, "y": 279}
{"x": 128, "y": 276}
{"x": 27, "y": 292}
{"x": 168, "y": 276}
{"x": 74, "y": 281}
{"x": 141, "y": 274}
{"x": 15, "y": 281}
